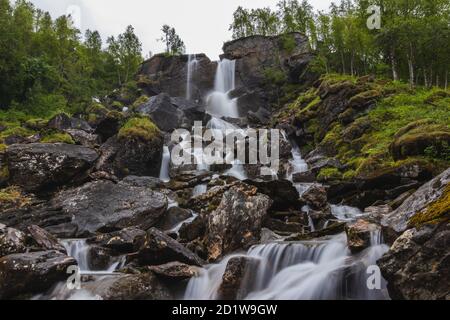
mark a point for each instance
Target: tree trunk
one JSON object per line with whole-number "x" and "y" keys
{"x": 394, "y": 66}
{"x": 411, "y": 65}
{"x": 425, "y": 79}
{"x": 343, "y": 62}
{"x": 446, "y": 80}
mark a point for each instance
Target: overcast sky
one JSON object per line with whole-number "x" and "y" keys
{"x": 202, "y": 24}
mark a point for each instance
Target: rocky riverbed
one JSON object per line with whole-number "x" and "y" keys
{"x": 139, "y": 227}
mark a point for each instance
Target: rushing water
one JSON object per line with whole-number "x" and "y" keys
{"x": 191, "y": 68}
{"x": 165, "y": 165}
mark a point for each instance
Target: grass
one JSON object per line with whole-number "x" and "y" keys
{"x": 13, "y": 196}
{"x": 57, "y": 137}
{"x": 139, "y": 128}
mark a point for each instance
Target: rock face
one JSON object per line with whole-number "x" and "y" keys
{"x": 255, "y": 54}
{"x": 169, "y": 74}
{"x": 282, "y": 192}
{"x": 172, "y": 113}
{"x": 237, "y": 222}
{"x": 44, "y": 239}
{"x": 127, "y": 240}
{"x": 11, "y": 241}
{"x": 64, "y": 122}
{"x": 418, "y": 264}
{"x": 398, "y": 220}
{"x": 160, "y": 249}
{"x": 175, "y": 271}
{"x": 35, "y": 272}
{"x": 39, "y": 166}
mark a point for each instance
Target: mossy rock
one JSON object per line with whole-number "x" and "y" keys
{"x": 13, "y": 197}
{"x": 329, "y": 174}
{"x": 139, "y": 101}
{"x": 58, "y": 137}
{"x": 419, "y": 143}
{"x": 364, "y": 99}
{"x": 436, "y": 212}
{"x": 3, "y": 147}
{"x": 139, "y": 128}
{"x": 36, "y": 124}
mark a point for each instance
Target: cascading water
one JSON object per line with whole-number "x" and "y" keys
{"x": 320, "y": 269}
{"x": 219, "y": 103}
{"x": 191, "y": 68}
{"x": 165, "y": 165}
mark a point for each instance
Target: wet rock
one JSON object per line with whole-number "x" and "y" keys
{"x": 417, "y": 267}
{"x": 128, "y": 287}
{"x": 282, "y": 192}
{"x": 316, "y": 198}
{"x": 39, "y": 165}
{"x": 191, "y": 231}
{"x": 284, "y": 227}
{"x": 144, "y": 182}
{"x": 100, "y": 258}
{"x": 237, "y": 221}
{"x": 29, "y": 273}
{"x": 376, "y": 213}
{"x": 416, "y": 204}
{"x": 304, "y": 177}
{"x": 397, "y": 202}
{"x": 233, "y": 277}
{"x": 11, "y": 241}
{"x": 173, "y": 217}
{"x": 175, "y": 271}
{"x": 359, "y": 235}
{"x": 159, "y": 249}
{"x": 333, "y": 228}
{"x": 127, "y": 240}
{"x": 44, "y": 239}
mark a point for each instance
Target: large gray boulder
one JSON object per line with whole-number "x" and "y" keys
{"x": 237, "y": 222}
{"x": 31, "y": 273}
{"x": 40, "y": 166}
{"x": 11, "y": 241}
{"x": 417, "y": 203}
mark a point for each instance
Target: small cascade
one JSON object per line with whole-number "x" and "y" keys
{"x": 199, "y": 189}
{"x": 79, "y": 250}
{"x": 346, "y": 213}
{"x": 165, "y": 165}
{"x": 177, "y": 228}
{"x": 191, "y": 69}
{"x": 219, "y": 103}
{"x": 319, "y": 269}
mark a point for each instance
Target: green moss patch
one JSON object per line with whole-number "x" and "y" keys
{"x": 13, "y": 197}
{"x": 58, "y": 138}
{"x": 139, "y": 128}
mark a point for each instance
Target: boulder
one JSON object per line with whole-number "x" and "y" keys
{"x": 304, "y": 177}
{"x": 127, "y": 240}
{"x": 96, "y": 206}
{"x": 173, "y": 217}
{"x": 11, "y": 241}
{"x": 193, "y": 230}
{"x": 39, "y": 166}
{"x": 84, "y": 138}
{"x": 415, "y": 207}
{"x": 44, "y": 239}
{"x": 316, "y": 198}
{"x": 159, "y": 248}
{"x": 232, "y": 280}
{"x": 175, "y": 271}
{"x": 63, "y": 122}
{"x": 31, "y": 273}
{"x": 282, "y": 192}
{"x": 127, "y": 287}
{"x": 237, "y": 222}
{"x": 123, "y": 156}
{"x": 417, "y": 267}
{"x": 359, "y": 235}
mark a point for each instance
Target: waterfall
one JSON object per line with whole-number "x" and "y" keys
{"x": 346, "y": 213}
{"x": 319, "y": 269}
{"x": 191, "y": 68}
{"x": 79, "y": 250}
{"x": 219, "y": 103}
{"x": 165, "y": 165}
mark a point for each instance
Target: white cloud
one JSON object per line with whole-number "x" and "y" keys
{"x": 202, "y": 24}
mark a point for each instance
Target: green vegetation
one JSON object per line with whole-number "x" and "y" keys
{"x": 139, "y": 128}
{"x": 58, "y": 138}
{"x": 411, "y": 45}
{"x": 46, "y": 67}
{"x": 13, "y": 197}
{"x": 174, "y": 44}
{"x": 329, "y": 174}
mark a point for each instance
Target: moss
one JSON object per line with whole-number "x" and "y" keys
{"x": 36, "y": 124}
{"x": 16, "y": 131}
{"x": 436, "y": 212}
{"x": 97, "y": 108}
{"x": 329, "y": 174}
{"x": 117, "y": 105}
{"x": 58, "y": 138}
{"x": 140, "y": 101}
{"x": 3, "y": 147}
{"x": 4, "y": 173}
{"x": 13, "y": 197}
{"x": 139, "y": 128}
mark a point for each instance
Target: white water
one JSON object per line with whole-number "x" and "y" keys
{"x": 177, "y": 228}
{"x": 79, "y": 250}
{"x": 191, "y": 69}
{"x": 346, "y": 213}
{"x": 165, "y": 165}
{"x": 219, "y": 103}
{"x": 199, "y": 189}
{"x": 297, "y": 271}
